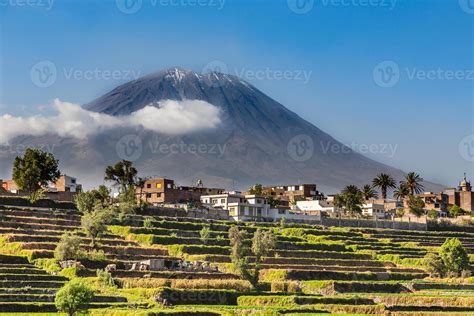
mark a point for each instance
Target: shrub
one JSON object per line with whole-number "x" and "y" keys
{"x": 68, "y": 248}
{"x": 85, "y": 201}
{"x": 148, "y": 222}
{"x": 105, "y": 278}
{"x": 434, "y": 265}
{"x": 95, "y": 223}
{"x": 451, "y": 260}
{"x": 454, "y": 256}
{"x": 205, "y": 234}
{"x": 73, "y": 297}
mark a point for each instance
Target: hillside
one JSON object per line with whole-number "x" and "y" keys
{"x": 313, "y": 269}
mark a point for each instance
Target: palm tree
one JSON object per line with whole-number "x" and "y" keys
{"x": 384, "y": 182}
{"x": 401, "y": 192}
{"x": 351, "y": 189}
{"x": 413, "y": 182}
{"x": 369, "y": 192}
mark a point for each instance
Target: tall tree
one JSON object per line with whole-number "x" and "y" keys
{"x": 384, "y": 182}
{"x": 369, "y": 192}
{"x": 401, "y": 192}
{"x": 413, "y": 182}
{"x": 257, "y": 189}
{"x": 122, "y": 173}
{"x": 350, "y": 199}
{"x": 35, "y": 170}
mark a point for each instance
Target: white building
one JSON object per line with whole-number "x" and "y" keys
{"x": 315, "y": 206}
{"x": 373, "y": 210}
{"x": 251, "y": 208}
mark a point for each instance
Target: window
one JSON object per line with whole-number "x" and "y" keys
{"x": 158, "y": 194}
{"x": 259, "y": 201}
{"x": 148, "y": 186}
{"x": 222, "y": 201}
{"x": 168, "y": 185}
{"x": 148, "y": 195}
{"x": 158, "y": 185}
{"x": 214, "y": 201}
{"x": 73, "y": 181}
{"x": 281, "y": 211}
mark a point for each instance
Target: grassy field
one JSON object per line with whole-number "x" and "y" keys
{"x": 314, "y": 270}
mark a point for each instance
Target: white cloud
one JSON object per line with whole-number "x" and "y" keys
{"x": 170, "y": 117}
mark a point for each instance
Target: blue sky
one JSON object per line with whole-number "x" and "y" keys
{"x": 331, "y": 52}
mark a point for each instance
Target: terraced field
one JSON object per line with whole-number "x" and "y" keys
{"x": 312, "y": 270}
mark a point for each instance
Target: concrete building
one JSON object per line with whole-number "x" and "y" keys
{"x": 374, "y": 210}
{"x": 66, "y": 183}
{"x": 294, "y": 192}
{"x": 165, "y": 191}
{"x": 253, "y": 208}
{"x": 315, "y": 207}
{"x": 10, "y": 186}
{"x": 461, "y": 196}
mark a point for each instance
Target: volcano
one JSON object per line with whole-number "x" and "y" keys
{"x": 258, "y": 139}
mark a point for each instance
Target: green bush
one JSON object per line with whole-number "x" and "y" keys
{"x": 73, "y": 297}
{"x": 68, "y": 248}
{"x": 199, "y": 297}
{"x": 105, "y": 278}
{"x": 451, "y": 260}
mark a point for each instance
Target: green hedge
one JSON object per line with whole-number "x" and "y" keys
{"x": 179, "y": 250}
{"x": 274, "y": 300}
{"x": 199, "y": 297}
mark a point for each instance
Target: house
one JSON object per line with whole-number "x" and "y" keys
{"x": 374, "y": 210}
{"x": 165, "y": 191}
{"x": 461, "y": 196}
{"x": 294, "y": 192}
{"x": 66, "y": 183}
{"x": 10, "y": 186}
{"x": 252, "y": 207}
{"x": 438, "y": 202}
{"x": 315, "y": 207}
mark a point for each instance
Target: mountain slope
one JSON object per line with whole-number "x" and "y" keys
{"x": 259, "y": 140}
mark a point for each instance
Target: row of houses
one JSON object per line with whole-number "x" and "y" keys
{"x": 62, "y": 190}
{"x": 297, "y": 202}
